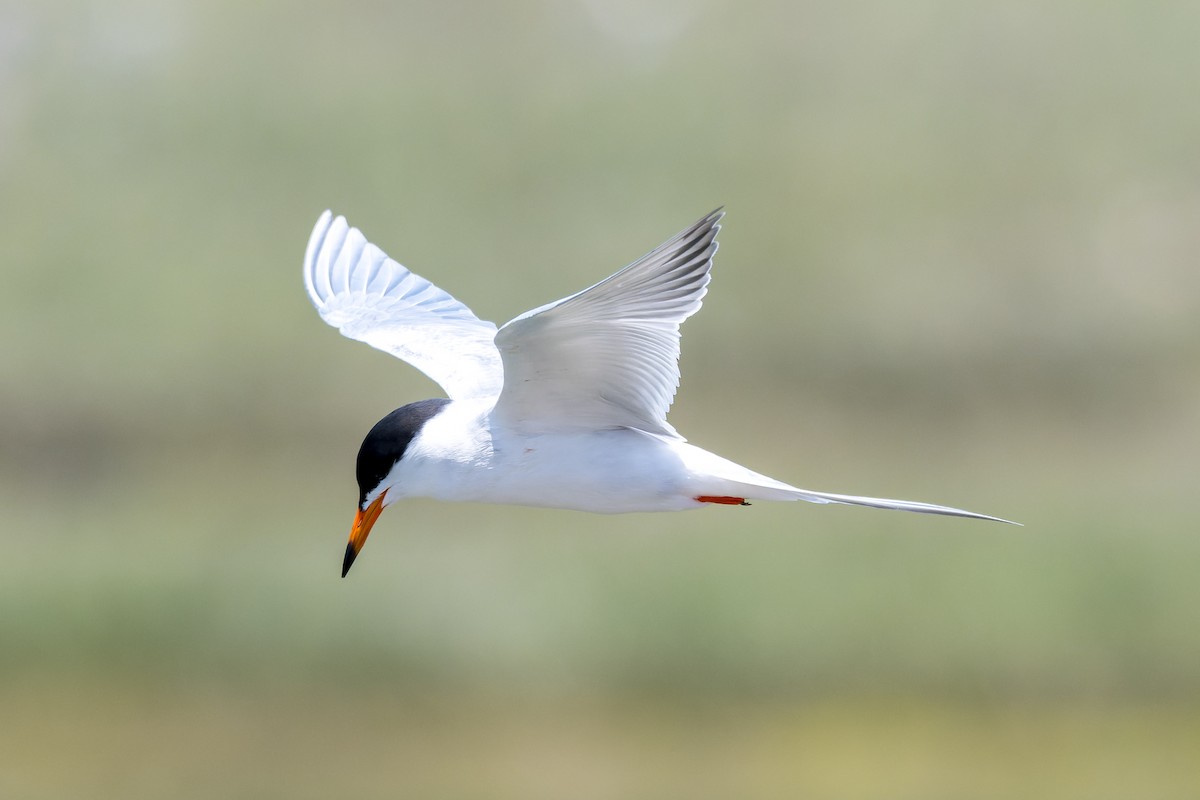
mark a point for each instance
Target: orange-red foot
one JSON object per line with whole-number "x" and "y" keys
{"x": 724, "y": 501}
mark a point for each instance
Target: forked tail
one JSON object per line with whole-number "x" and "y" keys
{"x": 725, "y": 479}
{"x": 792, "y": 493}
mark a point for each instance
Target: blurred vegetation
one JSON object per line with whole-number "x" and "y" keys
{"x": 959, "y": 266}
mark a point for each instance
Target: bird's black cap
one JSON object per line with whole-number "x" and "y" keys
{"x": 389, "y": 439}
{"x": 383, "y": 447}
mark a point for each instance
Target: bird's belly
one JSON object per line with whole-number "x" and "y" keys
{"x": 605, "y": 472}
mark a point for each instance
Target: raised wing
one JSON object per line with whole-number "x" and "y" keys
{"x": 608, "y": 357}
{"x": 369, "y": 297}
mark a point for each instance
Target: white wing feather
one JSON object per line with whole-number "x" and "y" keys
{"x": 369, "y": 297}
{"x": 608, "y": 356}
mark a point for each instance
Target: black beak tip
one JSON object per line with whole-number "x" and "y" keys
{"x": 348, "y": 561}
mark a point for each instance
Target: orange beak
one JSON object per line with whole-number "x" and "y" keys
{"x": 363, "y": 522}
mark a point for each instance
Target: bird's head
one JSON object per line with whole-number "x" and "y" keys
{"x": 382, "y": 449}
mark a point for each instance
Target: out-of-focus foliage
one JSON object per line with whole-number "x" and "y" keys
{"x": 959, "y": 265}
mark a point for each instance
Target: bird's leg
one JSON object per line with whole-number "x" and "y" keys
{"x": 724, "y": 501}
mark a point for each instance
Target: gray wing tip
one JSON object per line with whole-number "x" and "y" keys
{"x": 704, "y": 230}
{"x": 710, "y": 220}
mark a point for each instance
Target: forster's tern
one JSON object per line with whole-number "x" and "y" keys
{"x": 565, "y": 406}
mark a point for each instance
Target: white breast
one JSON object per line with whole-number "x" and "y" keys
{"x": 457, "y": 456}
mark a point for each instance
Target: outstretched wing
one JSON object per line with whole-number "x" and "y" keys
{"x": 608, "y": 357}
{"x": 369, "y": 297}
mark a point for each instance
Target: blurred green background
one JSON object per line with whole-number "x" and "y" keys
{"x": 959, "y": 265}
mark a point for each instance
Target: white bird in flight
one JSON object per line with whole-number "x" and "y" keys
{"x": 563, "y": 407}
